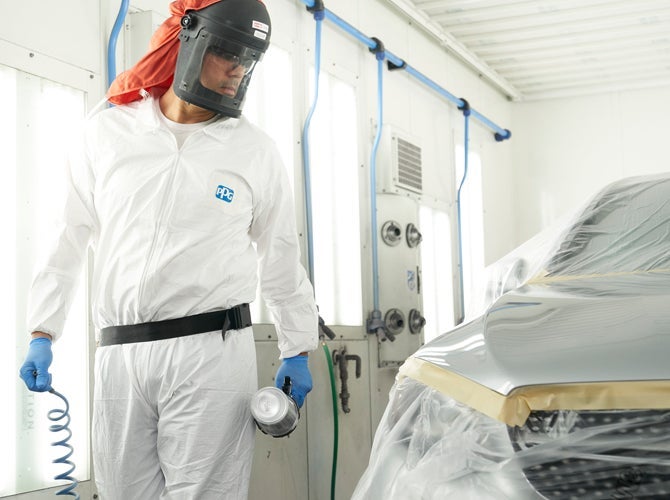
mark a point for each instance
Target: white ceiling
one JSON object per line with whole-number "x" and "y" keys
{"x": 539, "y": 49}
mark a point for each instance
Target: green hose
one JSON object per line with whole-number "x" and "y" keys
{"x": 335, "y": 423}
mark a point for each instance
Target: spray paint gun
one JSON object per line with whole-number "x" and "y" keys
{"x": 274, "y": 410}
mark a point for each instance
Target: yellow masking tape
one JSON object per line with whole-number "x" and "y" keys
{"x": 514, "y": 408}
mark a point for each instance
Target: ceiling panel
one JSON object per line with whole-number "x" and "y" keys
{"x": 538, "y": 49}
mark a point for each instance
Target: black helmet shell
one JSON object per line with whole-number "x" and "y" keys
{"x": 241, "y": 28}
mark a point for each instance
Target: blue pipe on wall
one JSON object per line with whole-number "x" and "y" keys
{"x": 466, "y": 139}
{"x": 373, "y": 181}
{"x": 113, "y": 38}
{"x": 318, "y": 17}
{"x": 500, "y": 134}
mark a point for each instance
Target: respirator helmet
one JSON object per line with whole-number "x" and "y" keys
{"x": 219, "y": 48}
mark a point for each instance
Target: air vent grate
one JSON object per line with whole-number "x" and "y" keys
{"x": 409, "y": 173}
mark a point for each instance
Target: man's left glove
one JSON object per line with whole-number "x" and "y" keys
{"x": 35, "y": 369}
{"x": 301, "y": 380}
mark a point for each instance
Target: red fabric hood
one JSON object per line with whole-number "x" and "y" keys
{"x": 156, "y": 69}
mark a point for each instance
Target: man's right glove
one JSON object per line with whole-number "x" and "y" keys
{"x": 35, "y": 369}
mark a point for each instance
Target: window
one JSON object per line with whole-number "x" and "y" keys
{"x": 334, "y": 177}
{"x": 436, "y": 272}
{"x": 269, "y": 105}
{"x": 269, "y": 102}
{"x": 38, "y": 119}
{"x": 335, "y": 202}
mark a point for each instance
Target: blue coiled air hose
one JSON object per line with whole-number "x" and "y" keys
{"x": 57, "y": 415}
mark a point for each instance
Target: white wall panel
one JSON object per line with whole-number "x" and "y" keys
{"x": 567, "y": 149}
{"x": 68, "y": 30}
{"x": 644, "y": 130}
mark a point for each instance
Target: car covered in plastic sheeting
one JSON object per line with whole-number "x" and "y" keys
{"x": 560, "y": 387}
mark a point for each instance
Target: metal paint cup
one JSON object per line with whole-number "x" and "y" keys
{"x": 275, "y": 412}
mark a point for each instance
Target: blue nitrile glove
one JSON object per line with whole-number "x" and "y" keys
{"x": 35, "y": 369}
{"x": 301, "y": 380}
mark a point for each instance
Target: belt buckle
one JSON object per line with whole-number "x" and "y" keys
{"x": 237, "y": 317}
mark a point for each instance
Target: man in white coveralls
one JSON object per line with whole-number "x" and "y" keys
{"x": 182, "y": 201}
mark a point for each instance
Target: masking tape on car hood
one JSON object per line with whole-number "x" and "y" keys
{"x": 515, "y": 408}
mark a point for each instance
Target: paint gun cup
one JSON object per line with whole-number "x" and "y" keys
{"x": 275, "y": 411}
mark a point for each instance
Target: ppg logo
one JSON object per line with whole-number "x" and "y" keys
{"x": 225, "y": 193}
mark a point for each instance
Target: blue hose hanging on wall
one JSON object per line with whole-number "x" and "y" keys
{"x": 318, "y": 17}
{"x": 318, "y": 12}
{"x": 375, "y": 322}
{"x": 465, "y": 107}
{"x": 113, "y": 38}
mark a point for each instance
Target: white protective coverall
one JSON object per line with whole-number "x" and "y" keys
{"x": 173, "y": 232}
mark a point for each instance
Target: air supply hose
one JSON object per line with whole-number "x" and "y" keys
{"x": 465, "y": 108}
{"x": 307, "y": 182}
{"x": 379, "y": 54}
{"x": 318, "y": 13}
{"x": 56, "y": 415}
{"x": 113, "y": 38}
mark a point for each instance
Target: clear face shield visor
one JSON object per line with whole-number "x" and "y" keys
{"x": 224, "y": 68}
{"x": 213, "y": 72}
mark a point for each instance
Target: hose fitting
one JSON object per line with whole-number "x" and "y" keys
{"x": 465, "y": 107}
{"x": 499, "y": 137}
{"x": 378, "y": 50}
{"x": 318, "y": 9}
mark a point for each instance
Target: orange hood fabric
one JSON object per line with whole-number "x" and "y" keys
{"x": 156, "y": 69}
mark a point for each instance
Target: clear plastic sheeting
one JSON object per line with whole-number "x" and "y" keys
{"x": 596, "y": 454}
{"x": 586, "y": 303}
{"x": 559, "y": 387}
{"x": 625, "y": 228}
{"x": 429, "y": 447}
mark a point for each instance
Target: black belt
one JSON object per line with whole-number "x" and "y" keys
{"x": 235, "y": 318}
